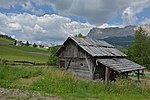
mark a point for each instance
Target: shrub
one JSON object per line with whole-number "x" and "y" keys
{"x": 52, "y": 60}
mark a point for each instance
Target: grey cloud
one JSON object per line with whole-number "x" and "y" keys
{"x": 100, "y": 11}
{"x": 129, "y": 14}
{"x": 28, "y": 7}
{"x": 94, "y": 11}
{"x": 9, "y": 3}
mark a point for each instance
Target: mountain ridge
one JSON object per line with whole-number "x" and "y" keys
{"x": 115, "y": 35}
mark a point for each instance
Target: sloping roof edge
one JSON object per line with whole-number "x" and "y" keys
{"x": 57, "y": 53}
{"x": 120, "y": 64}
{"x": 88, "y": 49}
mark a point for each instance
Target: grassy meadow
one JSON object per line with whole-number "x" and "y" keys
{"x": 18, "y": 53}
{"x": 51, "y": 80}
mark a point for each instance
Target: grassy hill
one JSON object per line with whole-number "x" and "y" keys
{"x": 8, "y": 51}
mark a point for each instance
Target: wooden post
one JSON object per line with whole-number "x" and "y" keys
{"x": 107, "y": 74}
{"x": 126, "y": 75}
{"x": 143, "y": 72}
{"x": 138, "y": 75}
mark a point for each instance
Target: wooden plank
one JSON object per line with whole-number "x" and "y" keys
{"x": 79, "y": 68}
{"x": 98, "y": 52}
{"x": 107, "y": 74}
{"x": 126, "y": 70}
{"x": 105, "y": 53}
{"x": 83, "y": 74}
{"x": 88, "y": 50}
{"x": 90, "y": 67}
{"x": 114, "y": 52}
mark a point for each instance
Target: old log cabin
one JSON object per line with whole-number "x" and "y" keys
{"x": 94, "y": 59}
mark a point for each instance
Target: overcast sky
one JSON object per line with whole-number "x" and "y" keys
{"x": 52, "y": 21}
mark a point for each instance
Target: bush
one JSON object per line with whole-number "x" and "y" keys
{"x": 52, "y": 60}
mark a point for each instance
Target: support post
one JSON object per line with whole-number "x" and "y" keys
{"x": 142, "y": 72}
{"x": 107, "y": 74}
{"x": 126, "y": 75}
{"x": 138, "y": 75}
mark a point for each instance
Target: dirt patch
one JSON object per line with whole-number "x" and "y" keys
{"x": 16, "y": 94}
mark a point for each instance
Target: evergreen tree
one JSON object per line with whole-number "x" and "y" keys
{"x": 80, "y": 35}
{"x": 15, "y": 42}
{"x": 34, "y": 45}
{"x": 27, "y": 43}
{"x": 139, "y": 50}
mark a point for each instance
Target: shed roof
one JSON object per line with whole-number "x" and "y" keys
{"x": 120, "y": 64}
{"x": 97, "y": 48}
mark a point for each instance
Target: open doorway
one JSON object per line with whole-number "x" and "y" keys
{"x": 62, "y": 64}
{"x": 103, "y": 74}
{"x": 99, "y": 72}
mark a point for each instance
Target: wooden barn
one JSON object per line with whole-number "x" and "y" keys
{"x": 94, "y": 59}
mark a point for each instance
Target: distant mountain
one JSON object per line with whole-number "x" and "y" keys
{"x": 123, "y": 41}
{"x": 115, "y": 35}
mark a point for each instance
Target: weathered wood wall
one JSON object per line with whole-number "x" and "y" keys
{"x": 79, "y": 66}
{"x": 72, "y": 50}
{"x": 77, "y": 60}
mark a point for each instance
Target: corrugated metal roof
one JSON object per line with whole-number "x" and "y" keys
{"x": 97, "y": 48}
{"x": 120, "y": 64}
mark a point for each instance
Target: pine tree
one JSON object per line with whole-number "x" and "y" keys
{"x": 27, "y": 43}
{"x": 34, "y": 45}
{"x": 15, "y": 42}
{"x": 80, "y": 35}
{"x": 139, "y": 50}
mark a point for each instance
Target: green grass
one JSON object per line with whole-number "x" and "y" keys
{"x": 64, "y": 84}
{"x": 5, "y": 41}
{"x": 60, "y": 83}
{"x": 11, "y": 52}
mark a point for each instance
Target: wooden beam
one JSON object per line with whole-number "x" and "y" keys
{"x": 89, "y": 66}
{"x": 138, "y": 75}
{"x": 107, "y": 74}
{"x": 127, "y": 75}
{"x": 142, "y": 72}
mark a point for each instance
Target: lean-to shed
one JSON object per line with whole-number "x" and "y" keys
{"x": 94, "y": 59}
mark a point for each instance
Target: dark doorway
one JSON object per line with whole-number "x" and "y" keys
{"x": 113, "y": 75}
{"x": 62, "y": 64}
{"x": 100, "y": 72}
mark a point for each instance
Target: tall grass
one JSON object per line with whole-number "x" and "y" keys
{"x": 9, "y": 74}
{"x": 68, "y": 86}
